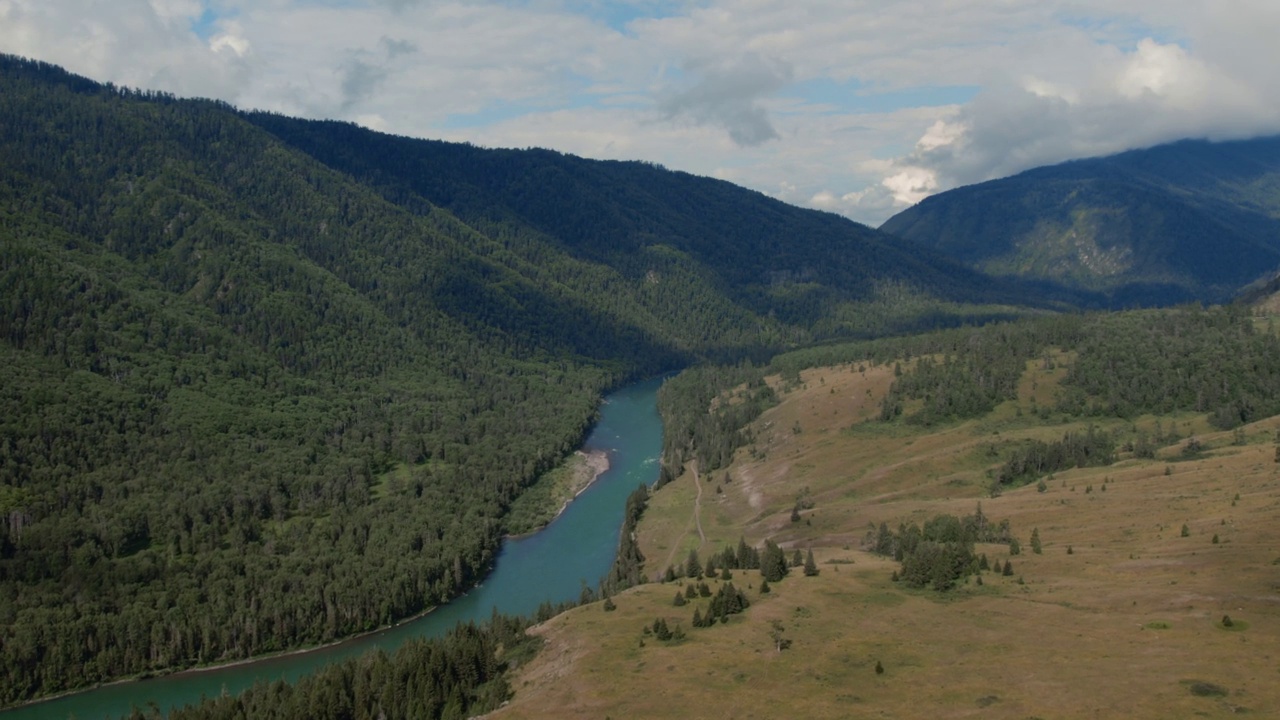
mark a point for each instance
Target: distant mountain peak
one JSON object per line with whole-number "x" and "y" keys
{"x": 1192, "y": 219}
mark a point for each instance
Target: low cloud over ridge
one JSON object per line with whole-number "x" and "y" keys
{"x": 829, "y": 104}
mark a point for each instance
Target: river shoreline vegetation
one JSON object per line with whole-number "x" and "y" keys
{"x": 551, "y": 493}
{"x": 461, "y": 675}
{"x": 268, "y": 383}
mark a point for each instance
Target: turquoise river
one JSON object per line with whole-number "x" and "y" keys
{"x": 550, "y": 565}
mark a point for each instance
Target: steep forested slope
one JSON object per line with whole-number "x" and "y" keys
{"x": 255, "y": 395}
{"x": 702, "y": 243}
{"x": 214, "y": 350}
{"x": 1190, "y": 220}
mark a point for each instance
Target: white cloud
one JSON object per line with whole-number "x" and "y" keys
{"x": 231, "y": 39}
{"x": 728, "y": 94}
{"x": 788, "y": 98}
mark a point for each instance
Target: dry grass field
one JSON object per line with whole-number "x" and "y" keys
{"x": 1120, "y": 617}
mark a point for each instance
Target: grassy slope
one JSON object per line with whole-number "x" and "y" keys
{"x": 1118, "y": 628}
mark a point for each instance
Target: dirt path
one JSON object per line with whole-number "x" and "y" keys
{"x": 697, "y": 507}
{"x": 697, "y": 518}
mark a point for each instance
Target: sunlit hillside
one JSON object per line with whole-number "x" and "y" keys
{"x": 1154, "y": 594}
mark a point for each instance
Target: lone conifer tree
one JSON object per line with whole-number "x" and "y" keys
{"x": 692, "y": 567}
{"x": 810, "y": 567}
{"x": 1035, "y": 541}
{"x": 773, "y": 562}
{"x": 1008, "y": 568}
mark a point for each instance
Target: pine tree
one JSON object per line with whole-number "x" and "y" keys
{"x": 1008, "y": 569}
{"x": 810, "y": 567}
{"x": 773, "y": 562}
{"x": 1035, "y": 541}
{"x": 748, "y": 557}
{"x": 692, "y": 567}
{"x": 679, "y": 601}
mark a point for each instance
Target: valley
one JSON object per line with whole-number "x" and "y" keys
{"x": 272, "y": 383}
{"x": 1120, "y": 614}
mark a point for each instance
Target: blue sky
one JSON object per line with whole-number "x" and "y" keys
{"x": 856, "y": 107}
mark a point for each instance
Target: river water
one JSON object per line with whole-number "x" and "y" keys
{"x": 550, "y": 565}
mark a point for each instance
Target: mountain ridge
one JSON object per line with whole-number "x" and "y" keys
{"x": 1191, "y": 220}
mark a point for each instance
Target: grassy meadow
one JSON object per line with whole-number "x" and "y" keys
{"x": 1120, "y": 616}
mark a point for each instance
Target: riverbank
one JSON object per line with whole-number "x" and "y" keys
{"x": 549, "y": 497}
{"x": 551, "y": 494}
{"x": 545, "y": 567}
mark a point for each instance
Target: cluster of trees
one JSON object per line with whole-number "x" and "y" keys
{"x": 1035, "y": 458}
{"x": 740, "y": 557}
{"x": 941, "y": 553}
{"x": 662, "y": 631}
{"x": 462, "y": 674}
{"x": 628, "y": 566}
{"x": 1206, "y": 360}
{"x": 727, "y": 601}
{"x": 975, "y": 375}
{"x": 703, "y": 421}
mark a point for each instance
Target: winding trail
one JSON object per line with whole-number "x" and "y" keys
{"x": 697, "y": 506}
{"x": 697, "y": 517}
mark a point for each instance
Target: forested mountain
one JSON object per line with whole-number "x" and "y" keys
{"x": 705, "y": 243}
{"x": 266, "y": 382}
{"x": 1189, "y": 220}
